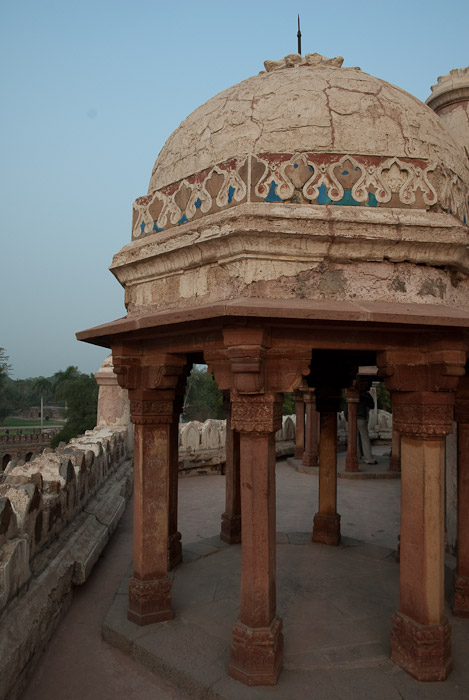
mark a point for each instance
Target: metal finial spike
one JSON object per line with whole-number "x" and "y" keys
{"x": 299, "y": 36}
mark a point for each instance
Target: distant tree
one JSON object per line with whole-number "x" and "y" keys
{"x": 203, "y": 398}
{"x": 80, "y": 391}
{"x": 43, "y": 387}
{"x": 289, "y": 404}
{"x": 383, "y": 397}
{"x": 5, "y": 397}
{"x": 60, "y": 378}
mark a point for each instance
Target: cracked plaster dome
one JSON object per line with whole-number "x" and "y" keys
{"x": 307, "y": 105}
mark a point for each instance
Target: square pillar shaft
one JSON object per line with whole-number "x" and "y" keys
{"x": 326, "y": 528}
{"x": 257, "y": 647}
{"x": 351, "y": 460}
{"x": 300, "y": 425}
{"x": 310, "y": 455}
{"x": 461, "y": 593}
{"x": 421, "y": 635}
{"x": 231, "y": 518}
{"x": 149, "y": 587}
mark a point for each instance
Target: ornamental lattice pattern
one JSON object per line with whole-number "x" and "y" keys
{"x": 305, "y": 178}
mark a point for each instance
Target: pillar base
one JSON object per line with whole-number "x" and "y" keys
{"x": 394, "y": 464}
{"x": 230, "y": 528}
{"x": 461, "y": 597}
{"x": 257, "y": 653}
{"x": 310, "y": 459}
{"x": 174, "y": 550}
{"x": 351, "y": 465}
{"x": 149, "y": 601}
{"x": 326, "y": 529}
{"x": 424, "y": 651}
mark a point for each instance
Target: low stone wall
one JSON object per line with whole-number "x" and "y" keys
{"x": 379, "y": 427}
{"x": 16, "y": 445}
{"x": 57, "y": 513}
{"x": 202, "y": 445}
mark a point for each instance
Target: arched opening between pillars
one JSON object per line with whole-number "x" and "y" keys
{"x": 6, "y": 458}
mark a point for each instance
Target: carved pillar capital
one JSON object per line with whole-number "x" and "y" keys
{"x": 256, "y": 413}
{"x": 152, "y": 407}
{"x": 148, "y": 370}
{"x": 425, "y": 415}
{"x": 352, "y": 395}
{"x": 411, "y": 370}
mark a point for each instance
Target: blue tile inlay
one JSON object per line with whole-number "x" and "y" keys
{"x": 348, "y": 200}
{"x": 183, "y": 220}
{"x": 272, "y": 196}
{"x": 295, "y": 165}
{"x": 344, "y": 172}
{"x": 155, "y": 228}
{"x": 372, "y": 201}
{"x": 142, "y": 227}
{"x": 323, "y": 198}
{"x": 231, "y": 191}
{"x": 198, "y": 203}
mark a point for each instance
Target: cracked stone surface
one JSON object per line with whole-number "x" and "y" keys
{"x": 303, "y": 107}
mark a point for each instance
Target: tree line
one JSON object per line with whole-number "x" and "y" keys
{"x": 75, "y": 391}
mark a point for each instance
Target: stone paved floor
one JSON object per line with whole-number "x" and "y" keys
{"x": 336, "y": 604}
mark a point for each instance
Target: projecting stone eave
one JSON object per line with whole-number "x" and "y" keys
{"x": 318, "y": 313}
{"x": 302, "y": 233}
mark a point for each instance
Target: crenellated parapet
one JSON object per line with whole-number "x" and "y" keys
{"x": 40, "y": 498}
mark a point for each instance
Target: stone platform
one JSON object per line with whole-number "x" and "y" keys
{"x": 380, "y": 470}
{"x": 336, "y": 604}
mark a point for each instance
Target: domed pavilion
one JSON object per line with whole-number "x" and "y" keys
{"x": 308, "y": 221}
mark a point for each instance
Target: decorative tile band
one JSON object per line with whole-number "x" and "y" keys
{"x": 304, "y": 178}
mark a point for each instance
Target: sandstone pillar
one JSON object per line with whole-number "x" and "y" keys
{"x": 300, "y": 424}
{"x": 310, "y": 455}
{"x": 174, "y": 536}
{"x": 461, "y": 593}
{"x": 351, "y": 461}
{"x": 149, "y": 588}
{"x": 326, "y": 527}
{"x": 257, "y": 647}
{"x": 421, "y": 635}
{"x": 395, "y": 458}
{"x": 231, "y": 518}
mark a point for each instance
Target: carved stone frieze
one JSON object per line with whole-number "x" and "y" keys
{"x": 316, "y": 178}
{"x": 423, "y": 415}
{"x": 424, "y": 651}
{"x": 260, "y": 413}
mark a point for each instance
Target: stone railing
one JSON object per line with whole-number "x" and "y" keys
{"x": 202, "y": 445}
{"x": 57, "y": 513}
{"x": 45, "y": 436}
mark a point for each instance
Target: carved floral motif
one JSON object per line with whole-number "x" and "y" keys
{"x": 259, "y": 413}
{"x": 316, "y": 178}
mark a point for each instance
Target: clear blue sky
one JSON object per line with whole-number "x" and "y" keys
{"x": 90, "y": 92}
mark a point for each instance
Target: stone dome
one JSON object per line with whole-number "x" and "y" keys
{"x": 307, "y": 181}
{"x": 306, "y": 105}
{"x": 306, "y": 131}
